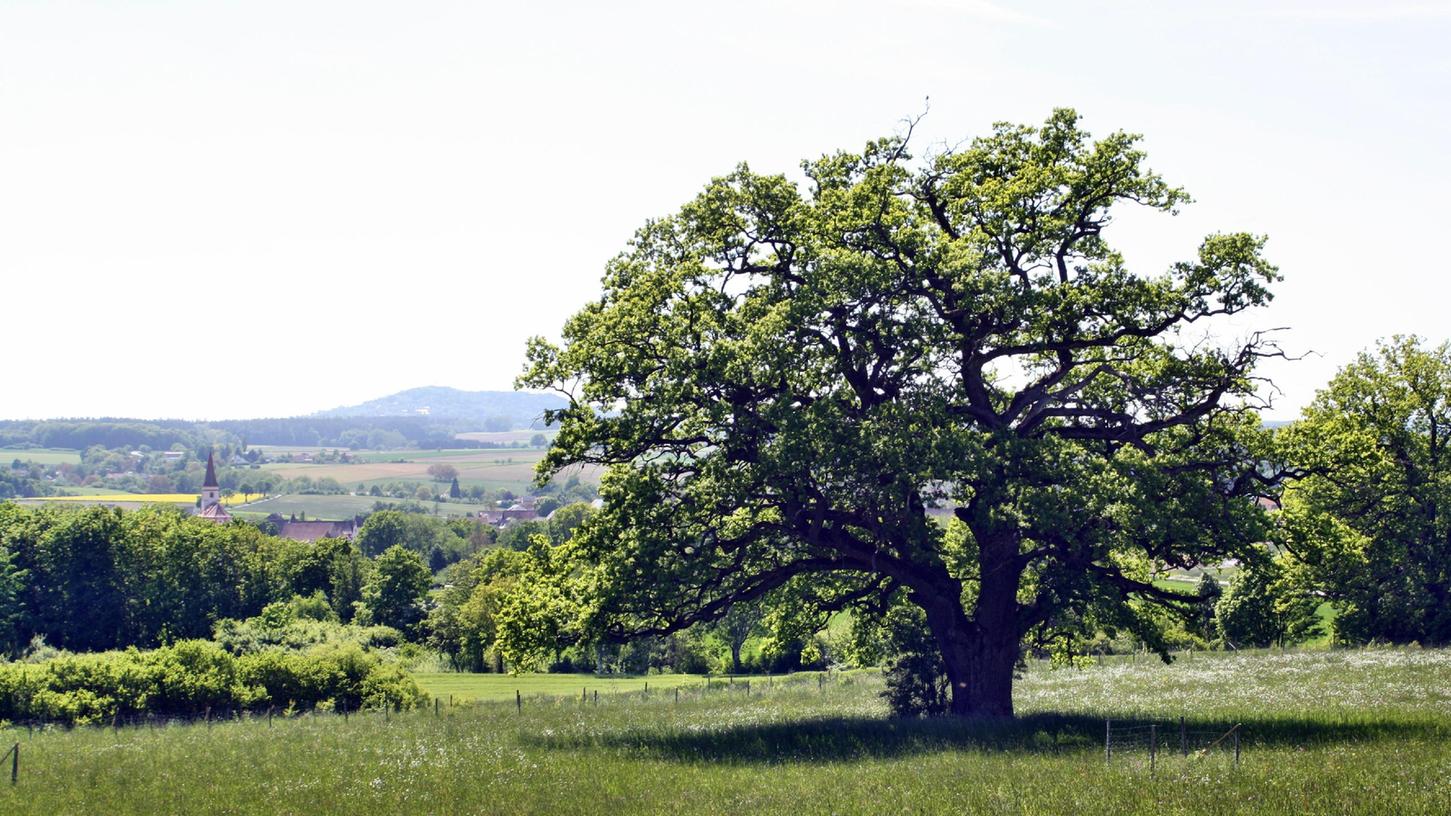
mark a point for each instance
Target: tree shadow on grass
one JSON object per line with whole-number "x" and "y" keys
{"x": 843, "y": 739}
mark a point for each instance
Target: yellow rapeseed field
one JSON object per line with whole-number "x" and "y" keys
{"x": 157, "y": 498}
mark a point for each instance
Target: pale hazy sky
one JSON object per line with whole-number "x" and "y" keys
{"x": 229, "y": 209}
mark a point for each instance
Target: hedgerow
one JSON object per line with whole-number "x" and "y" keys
{"x": 195, "y": 677}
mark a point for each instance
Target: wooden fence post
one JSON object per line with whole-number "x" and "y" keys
{"x": 14, "y": 763}
{"x": 677, "y": 694}
{"x": 435, "y": 706}
{"x": 1107, "y": 740}
{"x": 1236, "y": 748}
{"x": 1153, "y": 746}
{"x": 518, "y": 701}
{"x": 1183, "y": 737}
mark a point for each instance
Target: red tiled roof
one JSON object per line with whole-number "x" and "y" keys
{"x": 313, "y": 530}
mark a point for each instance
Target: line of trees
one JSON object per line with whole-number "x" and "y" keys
{"x": 374, "y": 433}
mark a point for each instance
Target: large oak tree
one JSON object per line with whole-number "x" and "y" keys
{"x": 783, "y": 378}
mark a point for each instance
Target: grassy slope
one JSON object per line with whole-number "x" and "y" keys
{"x": 44, "y": 456}
{"x": 1325, "y": 732}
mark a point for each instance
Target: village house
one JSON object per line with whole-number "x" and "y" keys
{"x": 313, "y": 529}
{"x": 515, "y": 512}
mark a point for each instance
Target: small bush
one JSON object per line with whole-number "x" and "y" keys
{"x": 916, "y": 677}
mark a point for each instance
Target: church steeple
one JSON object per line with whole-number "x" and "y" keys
{"x": 211, "y": 491}
{"x": 211, "y": 480}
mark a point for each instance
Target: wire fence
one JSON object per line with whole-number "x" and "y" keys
{"x": 1163, "y": 739}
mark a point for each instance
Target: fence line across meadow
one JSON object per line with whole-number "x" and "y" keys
{"x": 1158, "y": 737}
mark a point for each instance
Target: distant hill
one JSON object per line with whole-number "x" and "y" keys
{"x": 472, "y": 410}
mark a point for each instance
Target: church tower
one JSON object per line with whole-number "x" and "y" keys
{"x": 211, "y": 491}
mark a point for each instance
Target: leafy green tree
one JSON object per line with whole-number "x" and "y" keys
{"x": 519, "y": 534}
{"x": 442, "y": 473}
{"x": 1261, "y": 608}
{"x": 383, "y": 529}
{"x": 1201, "y": 622}
{"x": 736, "y": 626}
{"x": 453, "y": 489}
{"x": 12, "y": 589}
{"x": 781, "y": 380}
{"x": 1370, "y": 523}
{"x": 394, "y": 595}
{"x": 567, "y": 519}
{"x": 546, "y": 505}
{"x": 531, "y": 623}
{"x": 463, "y": 623}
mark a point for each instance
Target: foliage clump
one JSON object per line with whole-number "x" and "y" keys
{"x": 195, "y": 677}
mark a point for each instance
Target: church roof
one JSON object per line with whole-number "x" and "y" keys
{"x": 216, "y": 512}
{"x": 211, "y": 480}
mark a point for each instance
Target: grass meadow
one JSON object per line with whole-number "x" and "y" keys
{"x": 1323, "y": 732}
{"x": 502, "y": 687}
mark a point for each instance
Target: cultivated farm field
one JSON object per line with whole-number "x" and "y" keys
{"x": 499, "y": 468}
{"x": 1322, "y": 732}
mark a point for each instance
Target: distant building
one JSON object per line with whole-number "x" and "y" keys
{"x": 313, "y": 530}
{"x": 515, "y": 512}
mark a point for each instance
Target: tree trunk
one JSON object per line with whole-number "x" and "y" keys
{"x": 979, "y": 664}
{"x": 735, "y": 657}
{"x": 980, "y": 653}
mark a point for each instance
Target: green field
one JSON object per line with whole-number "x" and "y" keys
{"x": 338, "y": 507}
{"x": 43, "y": 456}
{"x": 1323, "y": 732}
{"x": 495, "y": 687}
{"x": 494, "y": 469}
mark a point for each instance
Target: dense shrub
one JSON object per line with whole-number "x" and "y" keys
{"x": 196, "y": 676}
{"x": 916, "y": 677}
{"x": 256, "y": 634}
